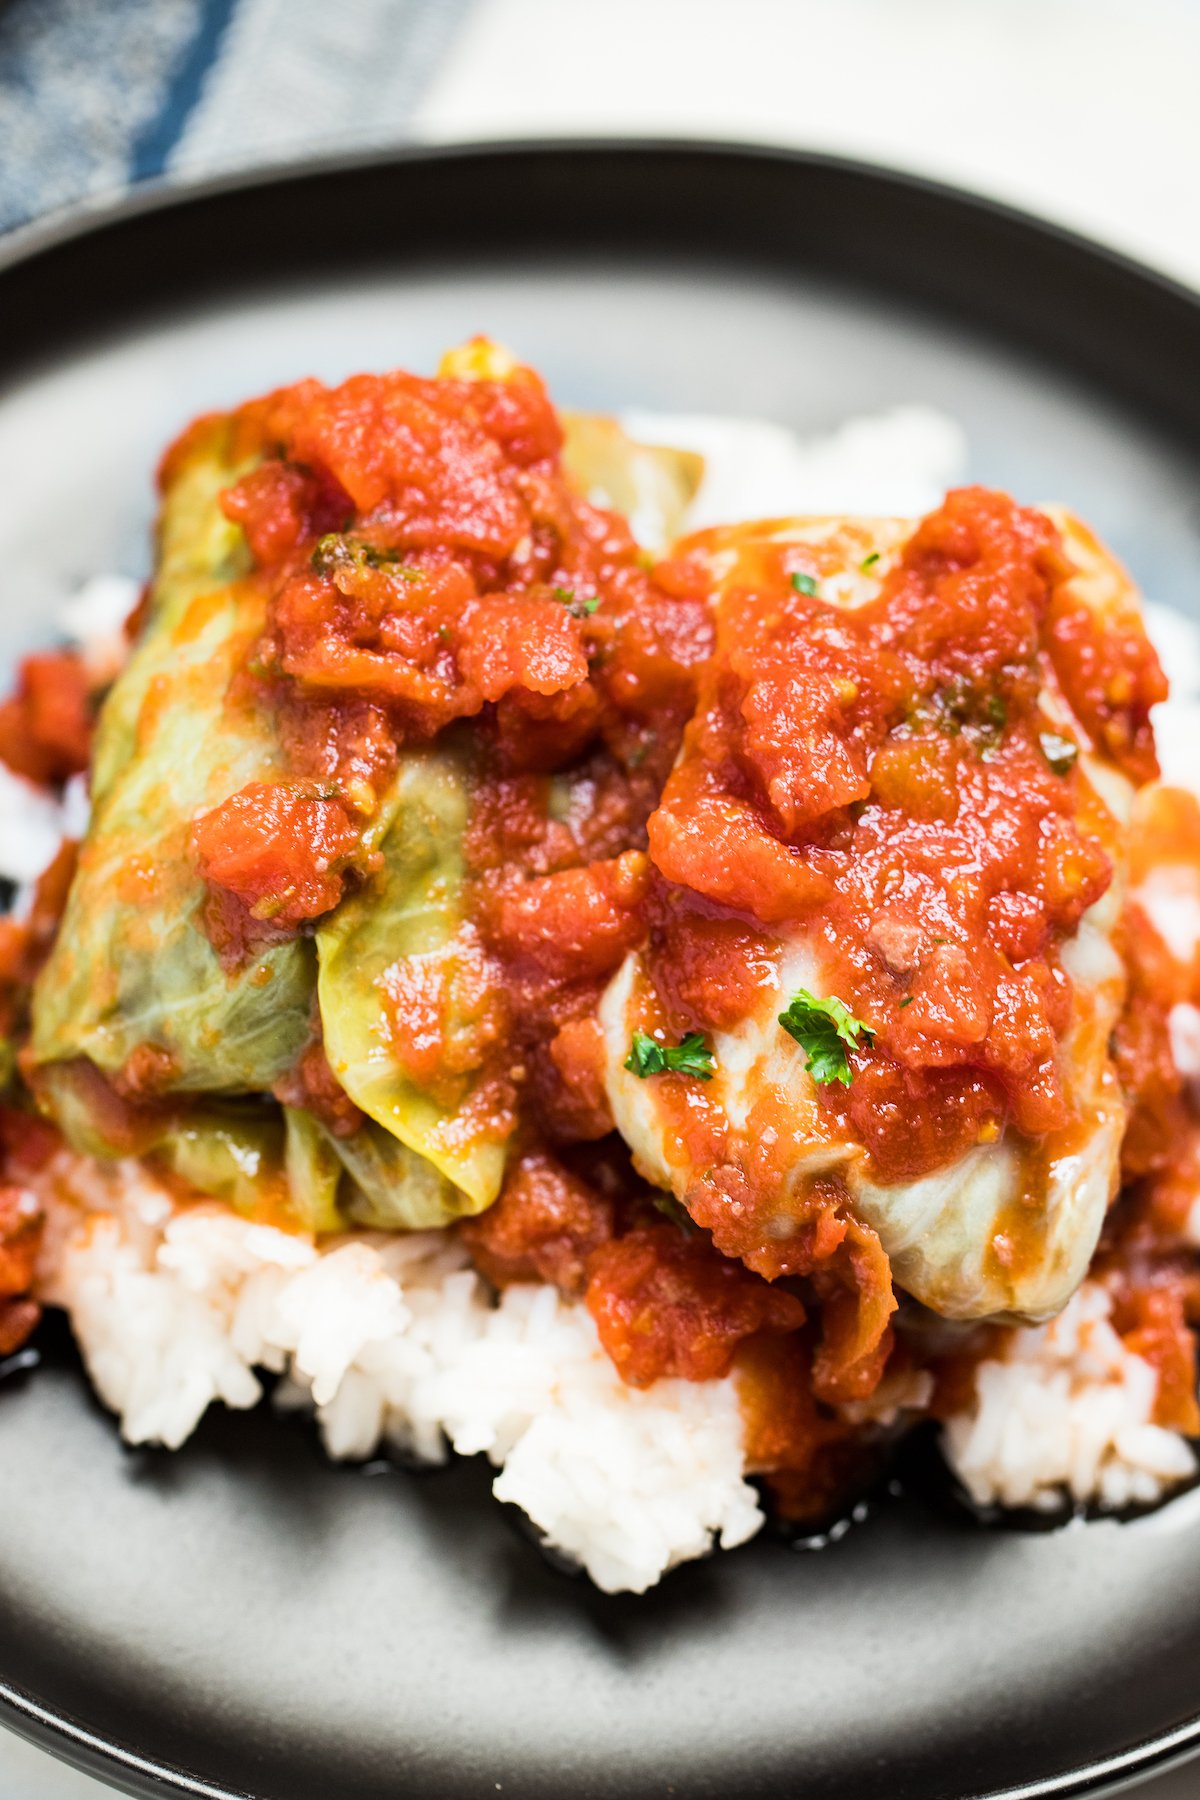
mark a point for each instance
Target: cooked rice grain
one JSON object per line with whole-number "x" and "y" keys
{"x": 396, "y": 1339}
{"x": 1066, "y": 1413}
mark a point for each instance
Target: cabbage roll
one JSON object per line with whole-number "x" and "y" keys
{"x": 882, "y": 979}
{"x": 134, "y": 983}
{"x": 194, "y": 980}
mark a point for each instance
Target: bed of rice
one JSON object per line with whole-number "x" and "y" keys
{"x": 395, "y": 1340}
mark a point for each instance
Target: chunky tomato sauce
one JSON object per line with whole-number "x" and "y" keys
{"x": 1147, "y": 1256}
{"x": 882, "y": 770}
{"x": 426, "y": 560}
{"x": 46, "y": 725}
{"x": 26, "y": 1145}
{"x": 27, "y": 1142}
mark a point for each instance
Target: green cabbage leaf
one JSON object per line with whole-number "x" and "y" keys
{"x": 132, "y": 965}
{"x": 410, "y": 911}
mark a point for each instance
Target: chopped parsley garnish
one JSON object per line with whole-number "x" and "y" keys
{"x": 378, "y": 556}
{"x": 1059, "y": 752}
{"x": 579, "y": 609}
{"x": 691, "y": 1056}
{"x": 330, "y": 550}
{"x": 804, "y": 583}
{"x": 957, "y": 708}
{"x": 825, "y": 1030}
{"x": 907, "y": 1001}
{"x": 868, "y": 562}
{"x": 337, "y": 551}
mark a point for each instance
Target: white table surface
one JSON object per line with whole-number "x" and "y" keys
{"x": 1085, "y": 111}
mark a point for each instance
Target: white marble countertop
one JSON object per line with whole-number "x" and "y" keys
{"x": 1082, "y": 110}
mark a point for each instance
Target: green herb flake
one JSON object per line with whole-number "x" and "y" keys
{"x": 825, "y": 1030}
{"x": 578, "y": 609}
{"x": 691, "y": 1056}
{"x": 384, "y": 556}
{"x": 907, "y": 1001}
{"x": 337, "y": 551}
{"x": 1059, "y": 752}
{"x": 326, "y": 553}
{"x": 804, "y": 583}
{"x": 868, "y": 562}
{"x": 672, "y": 1209}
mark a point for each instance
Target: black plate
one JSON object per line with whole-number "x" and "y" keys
{"x": 243, "y": 1619}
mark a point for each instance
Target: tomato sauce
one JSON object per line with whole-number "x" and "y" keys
{"x": 46, "y": 725}
{"x": 279, "y": 849}
{"x": 881, "y": 771}
{"x": 664, "y": 1301}
{"x": 27, "y": 1144}
{"x": 810, "y": 1459}
{"x": 1147, "y": 1255}
{"x": 665, "y": 1305}
{"x": 546, "y": 1226}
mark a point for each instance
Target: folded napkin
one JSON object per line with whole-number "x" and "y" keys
{"x": 95, "y": 96}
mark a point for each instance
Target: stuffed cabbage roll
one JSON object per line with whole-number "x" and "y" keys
{"x": 877, "y": 993}
{"x": 135, "y": 983}
{"x": 266, "y": 976}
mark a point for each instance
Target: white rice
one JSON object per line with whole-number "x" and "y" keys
{"x": 31, "y": 828}
{"x": 395, "y": 1339}
{"x": 896, "y": 463}
{"x": 93, "y": 619}
{"x": 33, "y": 823}
{"x": 1066, "y": 1413}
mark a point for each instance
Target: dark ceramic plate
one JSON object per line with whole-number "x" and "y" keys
{"x": 243, "y": 1619}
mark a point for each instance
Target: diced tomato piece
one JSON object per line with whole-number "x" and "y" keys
{"x": 544, "y": 1227}
{"x": 278, "y": 848}
{"x": 46, "y": 727}
{"x": 669, "y": 1305}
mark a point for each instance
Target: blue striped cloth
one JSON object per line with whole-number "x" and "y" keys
{"x": 97, "y": 94}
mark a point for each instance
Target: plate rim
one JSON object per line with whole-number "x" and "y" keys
{"x": 65, "y": 223}
{"x": 45, "y": 1726}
